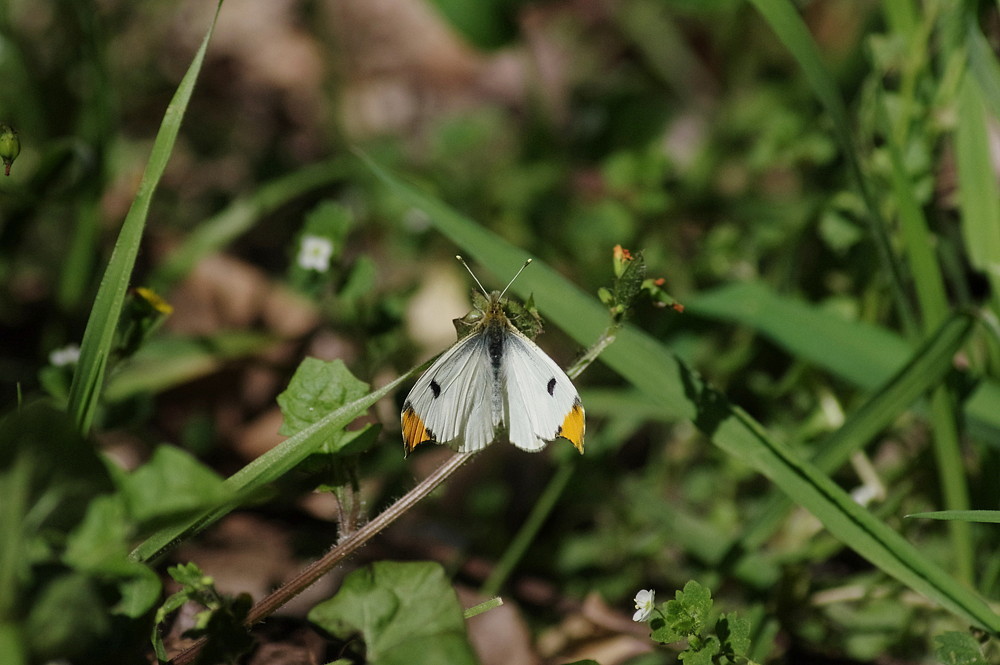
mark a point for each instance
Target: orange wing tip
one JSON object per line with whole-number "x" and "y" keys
{"x": 414, "y": 430}
{"x": 574, "y": 426}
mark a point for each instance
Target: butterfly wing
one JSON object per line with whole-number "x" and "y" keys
{"x": 540, "y": 402}
{"x": 450, "y": 403}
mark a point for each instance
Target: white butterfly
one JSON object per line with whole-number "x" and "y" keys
{"x": 492, "y": 382}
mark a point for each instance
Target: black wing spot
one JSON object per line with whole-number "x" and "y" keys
{"x": 552, "y": 386}
{"x": 435, "y": 388}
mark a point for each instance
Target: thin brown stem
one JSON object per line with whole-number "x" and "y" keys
{"x": 345, "y": 548}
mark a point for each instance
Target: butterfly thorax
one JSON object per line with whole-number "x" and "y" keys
{"x": 502, "y": 312}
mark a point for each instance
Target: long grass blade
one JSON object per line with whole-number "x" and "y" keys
{"x": 98, "y": 337}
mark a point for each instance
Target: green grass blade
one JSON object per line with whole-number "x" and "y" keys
{"x": 918, "y": 241}
{"x": 858, "y": 352}
{"x": 789, "y": 27}
{"x": 167, "y": 362}
{"x": 651, "y": 368}
{"x": 926, "y": 369}
{"x": 268, "y": 468}
{"x": 864, "y": 354}
{"x": 918, "y": 247}
{"x": 240, "y": 216}
{"x": 99, "y": 335}
{"x": 983, "y": 516}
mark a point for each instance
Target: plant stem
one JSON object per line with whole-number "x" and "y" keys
{"x": 348, "y": 546}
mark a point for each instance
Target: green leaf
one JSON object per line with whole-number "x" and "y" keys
{"x": 983, "y": 65}
{"x": 317, "y": 388}
{"x": 487, "y": 24}
{"x": 407, "y": 614}
{"x": 170, "y": 486}
{"x": 67, "y": 618}
{"x": 268, "y": 468}
{"x": 99, "y": 547}
{"x": 734, "y": 633}
{"x": 979, "y": 194}
{"x": 681, "y": 393}
{"x": 166, "y": 362}
{"x": 98, "y": 337}
{"x": 928, "y": 367}
{"x": 53, "y": 471}
{"x": 684, "y": 616}
{"x": 984, "y": 516}
{"x": 12, "y": 644}
{"x": 955, "y": 648}
{"x": 859, "y": 352}
{"x": 703, "y": 654}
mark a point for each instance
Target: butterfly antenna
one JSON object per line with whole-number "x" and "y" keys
{"x": 514, "y": 277}
{"x": 473, "y": 274}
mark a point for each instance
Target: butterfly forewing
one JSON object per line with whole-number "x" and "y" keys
{"x": 451, "y": 399}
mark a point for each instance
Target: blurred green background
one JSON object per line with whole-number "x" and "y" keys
{"x": 820, "y": 201}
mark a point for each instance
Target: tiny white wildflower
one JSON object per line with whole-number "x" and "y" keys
{"x": 68, "y": 355}
{"x": 315, "y": 253}
{"x": 643, "y": 604}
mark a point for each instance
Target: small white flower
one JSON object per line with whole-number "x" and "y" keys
{"x": 68, "y": 355}
{"x": 643, "y": 604}
{"x": 315, "y": 253}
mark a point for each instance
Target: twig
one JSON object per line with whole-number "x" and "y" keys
{"x": 348, "y": 546}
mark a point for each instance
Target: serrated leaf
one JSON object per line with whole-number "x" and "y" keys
{"x": 955, "y": 648}
{"x": 317, "y": 388}
{"x": 407, "y": 614}
{"x": 734, "y": 632}
{"x": 684, "y": 616}
{"x": 696, "y": 602}
{"x": 703, "y": 654}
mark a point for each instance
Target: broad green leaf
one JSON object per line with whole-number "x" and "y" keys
{"x": 317, "y": 388}
{"x": 407, "y": 614}
{"x": 171, "y": 485}
{"x": 98, "y": 337}
{"x": 99, "y": 546}
{"x": 681, "y": 393}
{"x": 68, "y": 617}
{"x": 268, "y": 468}
{"x": 955, "y": 648}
